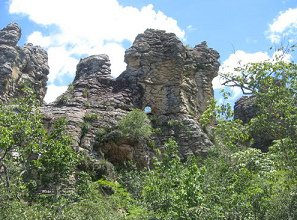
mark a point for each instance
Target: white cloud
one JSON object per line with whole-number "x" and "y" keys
{"x": 285, "y": 25}
{"x": 53, "y": 92}
{"x": 191, "y": 28}
{"x": 61, "y": 63}
{"x": 281, "y": 55}
{"x": 87, "y": 27}
{"x": 116, "y": 54}
{"x": 236, "y": 92}
{"x": 38, "y": 39}
{"x": 284, "y": 20}
{"x": 274, "y": 38}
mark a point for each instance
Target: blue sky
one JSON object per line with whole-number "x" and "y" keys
{"x": 72, "y": 29}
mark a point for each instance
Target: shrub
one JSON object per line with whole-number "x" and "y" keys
{"x": 135, "y": 125}
{"x": 90, "y": 117}
{"x": 64, "y": 99}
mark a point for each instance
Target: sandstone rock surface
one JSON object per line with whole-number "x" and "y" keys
{"x": 163, "y": 74}
{"x": 175, "y": 82}
{"x": 21, "y": 66}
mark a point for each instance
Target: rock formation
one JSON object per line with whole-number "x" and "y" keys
{"x": 170, "y": 78}
{"x": 20, "y": 66}
{"x": 174, "y": 81}
{"x": 245, "y": 109}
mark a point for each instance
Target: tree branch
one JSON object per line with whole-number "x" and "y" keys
{"x": 6, "y": 174}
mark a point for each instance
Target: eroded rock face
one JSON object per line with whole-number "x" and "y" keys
{"x": 21, "y": 66}
{"x": 162, "y": 74}
{"x": 10, "y": 35}
{"x": 174, "y": 81}
{"x": 90, "y": 105}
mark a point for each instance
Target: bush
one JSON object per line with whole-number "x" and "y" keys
{"x": 38, "y": 171}
{"x": 135, "y": 125}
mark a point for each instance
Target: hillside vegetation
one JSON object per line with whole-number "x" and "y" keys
{"x": 41, "y": 175}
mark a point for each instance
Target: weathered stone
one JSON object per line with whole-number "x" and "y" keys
{"x": 21, "y": 67}
{"x": 245, "y": 109}
{"x": 10, "y": 35}
{"x": 162, "y": 74}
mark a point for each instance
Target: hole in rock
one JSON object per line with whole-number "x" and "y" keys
{"x": 147, "y": 109}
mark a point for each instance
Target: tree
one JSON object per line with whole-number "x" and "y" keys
{"x": 38, "y": 174}
{"x": 59, "y": 160}
{"x": 29, "y": 157}
{"x": 21, "y": 138}
{"x": 273, "y": 84}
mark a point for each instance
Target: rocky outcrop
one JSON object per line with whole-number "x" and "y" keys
{"x": 21, "y": 66}
{"x": 245, "y": 109}
{"x": 168, "y": 77}
{"x": 175, "y": 82}
{"x": 10, "y": 35}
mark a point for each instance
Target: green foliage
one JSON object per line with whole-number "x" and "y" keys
{"x": 236, "y": 187}
{"x": 170, "y": 187}
{"x": 25, "y": 84}
{"x": 234, "y": 182}
{"x": 88, "y": 104}
{"x": 274, "y": 86}
{"x": 90, "y": 117}
{"x": 86, "y": 125}
{"x": 85, "y": 129}
{"x": 242, "y": 185}
{"x": 122, "y": 200}
{"x": 85, "y": 93}
{"x": 21, "y": 136}
{"x": 100, "y": 133}
{"x": 229, "y": 134}
{"x": 5, "y": 82}
{"x": 58, "y": 161}
{"x": 135, "y": 125}
{"x": 260, "y": 177}
{"x": 38, "y": 176}
{"x": 64, "y": 99}
{"x": 70, "y": 87}
{"x": 91, "y": 206}
{"x": 151, "y": 144}
{"x": 187, "y": 46}
{"x": 170, "y": 122}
